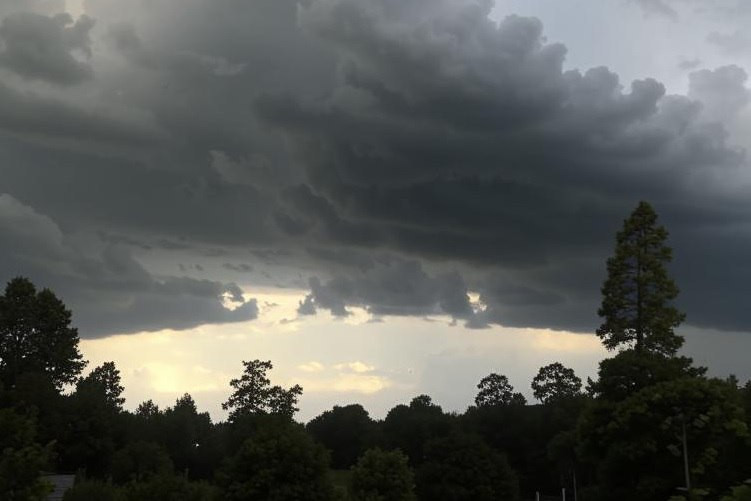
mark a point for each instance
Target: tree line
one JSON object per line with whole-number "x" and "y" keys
{"x": 651, "y": 426}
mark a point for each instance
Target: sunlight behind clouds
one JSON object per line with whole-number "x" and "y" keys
{"x": 75, "y": 7}
{"x": 335, "y": 360}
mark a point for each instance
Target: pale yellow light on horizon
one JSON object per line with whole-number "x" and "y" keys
{"x": 334, "y": 359}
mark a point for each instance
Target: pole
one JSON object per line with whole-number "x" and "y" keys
{"x": 573, "y": 472}
{"x": 563, "y": 494}
{"x": 537, "y": 496}
{"x": 685, "y": 457}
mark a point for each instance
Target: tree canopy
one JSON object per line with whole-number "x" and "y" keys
{"x": 253, "y": 393}
{"x": 36, "y": 335}
{"x": 555, "y": 381}
{"x": 495, "y": 389}
{"x": 105, "y": 380}
{"x": 382, "y": 476}
{"x": 278, "y": 463}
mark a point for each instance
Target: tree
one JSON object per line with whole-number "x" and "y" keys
{"x": 636, "y": 444}
{"x": 21, "y": 458}
{"x": 382, "y": 476}
{"x": 629, "y": 372}
{"x": 463, "y": 467}
{"x": 147, "y": 410}
{"x": 254, "y": 395}
{"x": 496, "y": 390}
{"x": 104, "y": 380}
{"x": 278, "y": 463}
{"x": 93, "y": 432}
{"x": 36, "y": 336}
{"x": 185, "y": 434}
{"x": 138, "y": 461}
{"x": 409, "y": 428}
{"x": 346, "y": 431}
{"x": 554, "y": 382}
{"x": 637, "y": 295}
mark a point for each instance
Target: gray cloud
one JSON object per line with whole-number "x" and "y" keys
{"x": 391, "y": 287}
{"x": 735, "y": 43}
{"x": 109, "y": 291}
{"x": 722, "y": 92}
{"x": 451, "y": 138}
{"x": 47, "y": 48}
{"x": 240, "y": 267}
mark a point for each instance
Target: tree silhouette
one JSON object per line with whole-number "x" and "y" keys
{"x": 346, "y": 431}
{"x": 105, "y": 380}
{"x": 496, "y": 390}
{"x": 254, "y": 395}
{"x": 555, "y": 381}
{"x": 637, "y": 294}
{"x": 36, "y": 336}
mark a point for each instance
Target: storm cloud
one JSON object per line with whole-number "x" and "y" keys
{"x": 410, "y": 157}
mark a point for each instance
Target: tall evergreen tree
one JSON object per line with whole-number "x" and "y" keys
{"x": 637, "y": 295}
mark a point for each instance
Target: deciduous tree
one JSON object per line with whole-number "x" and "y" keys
{"x": 36, "y": 335}
{"x": 555, "y": 381}
{"x": 278, "y": 463}
{"x": 253, "y": 393}
{"x": 382, "y": 476}
{"x": 495, "y": 389}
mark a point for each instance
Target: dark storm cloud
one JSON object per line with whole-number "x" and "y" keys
{"x": 36, "y": 118}
{"x": 109, "y": 291}
{"x": 451, "y": 138}
{"x": 400, "y": 154}
{"x": 47, "y": 48}
{"x": 391, "y": 287}
{"x": 240, "y": 267}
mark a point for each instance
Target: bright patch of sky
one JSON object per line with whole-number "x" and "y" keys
{"x": 634, "y": 43}
{"x": 355, "y": 360}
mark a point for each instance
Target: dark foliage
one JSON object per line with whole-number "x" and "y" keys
{"x": 36, "y": 336}
{"x": 346, "y": 431}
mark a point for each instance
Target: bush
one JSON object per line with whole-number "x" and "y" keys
{"x": 382, "y": 476}
{"x": 278, "y": 463}
{"x": 89, "y": 490}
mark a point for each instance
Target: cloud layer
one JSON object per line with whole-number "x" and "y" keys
{"x": 399, "y": 156}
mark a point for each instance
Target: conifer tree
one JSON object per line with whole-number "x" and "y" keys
{"x": 637, "y": 295}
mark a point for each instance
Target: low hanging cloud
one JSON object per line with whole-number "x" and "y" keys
{"x": 109, "y": 291}
{"x": 391, "y": 287}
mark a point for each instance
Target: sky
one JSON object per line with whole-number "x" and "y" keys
{"x": 384, "y": 197}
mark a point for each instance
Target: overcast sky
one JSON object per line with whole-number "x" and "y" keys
{"x": 384, "y": 197}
